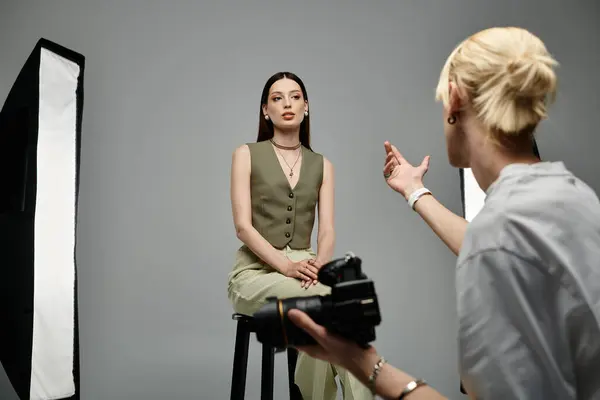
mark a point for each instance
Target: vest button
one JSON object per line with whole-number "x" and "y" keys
{"x": 291, "y": 195}
{"x": 287, "y": 234}
{"x": 289, "y": 208}
{"x": 288, "y": 221}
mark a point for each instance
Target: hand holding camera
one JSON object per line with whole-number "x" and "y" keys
{"x": 350, "y": 311}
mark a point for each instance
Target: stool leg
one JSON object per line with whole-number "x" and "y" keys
{"x": 292, "y": 358}
{"x": 240, "y": 361}
{"x": 268, "y": 372}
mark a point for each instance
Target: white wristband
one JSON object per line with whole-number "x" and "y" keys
{"x": 416, "y": 195}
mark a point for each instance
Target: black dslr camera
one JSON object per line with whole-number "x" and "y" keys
{"x": 351, "y": 310}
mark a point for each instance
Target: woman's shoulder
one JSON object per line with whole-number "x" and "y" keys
{"x": 313, "y": 153}
{"x": 247, "y": 148}
{"x": 241, "y": 150}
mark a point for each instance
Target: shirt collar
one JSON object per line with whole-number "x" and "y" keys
{"x": 519, "y": 169}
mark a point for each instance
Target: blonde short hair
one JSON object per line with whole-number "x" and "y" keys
{"x": 508, "y": 75}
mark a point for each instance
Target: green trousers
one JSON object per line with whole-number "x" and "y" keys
{"x": 251, "y": 282}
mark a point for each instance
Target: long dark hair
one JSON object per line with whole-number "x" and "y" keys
{"x": 265, "y": 127}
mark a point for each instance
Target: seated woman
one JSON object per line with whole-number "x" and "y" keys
{"x": 276, "y": 184}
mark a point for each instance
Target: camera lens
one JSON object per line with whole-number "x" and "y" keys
{"x": 351, "y": 310}
{"x": 274, "y": 328}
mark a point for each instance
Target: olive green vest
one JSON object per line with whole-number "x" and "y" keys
{"x": 282, "y": 215}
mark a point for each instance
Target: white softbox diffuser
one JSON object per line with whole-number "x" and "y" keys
{"x": 40, "y": 128}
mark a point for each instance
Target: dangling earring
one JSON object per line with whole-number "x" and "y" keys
{"x": 306, "y": 113}
{"x": 267, "y": 117}
{"x": 452, "y": 119}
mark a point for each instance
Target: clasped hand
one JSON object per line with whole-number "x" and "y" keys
{"x": 306, "y": 271}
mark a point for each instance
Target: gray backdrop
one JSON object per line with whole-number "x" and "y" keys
{"x": 171, "y": 88}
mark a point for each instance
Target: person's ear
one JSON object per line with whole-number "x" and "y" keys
{"x": 454, "y": 99}
{"x": 264, "y": 110}
{"x": 305, "y": 106}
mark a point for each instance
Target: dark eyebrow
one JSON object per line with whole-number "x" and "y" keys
{"x": 291, "y": 91}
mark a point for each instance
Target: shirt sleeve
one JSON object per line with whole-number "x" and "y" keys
{"x": 507, "y": 342}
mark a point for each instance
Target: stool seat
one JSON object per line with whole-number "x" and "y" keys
{"x": 243, "y": 318}
{"x": 245, "y": 326}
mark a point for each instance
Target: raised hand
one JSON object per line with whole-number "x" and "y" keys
{"x": 399, "y": 174}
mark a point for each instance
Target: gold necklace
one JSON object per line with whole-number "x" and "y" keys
{"x": 292, "y": 167}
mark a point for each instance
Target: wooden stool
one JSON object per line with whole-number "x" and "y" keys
{"x": 240, "y": 363}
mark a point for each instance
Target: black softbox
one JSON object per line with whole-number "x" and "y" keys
{"x": 40, "y": 131}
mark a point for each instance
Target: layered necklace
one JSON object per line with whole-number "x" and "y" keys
{"x": 280, "y": 146}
